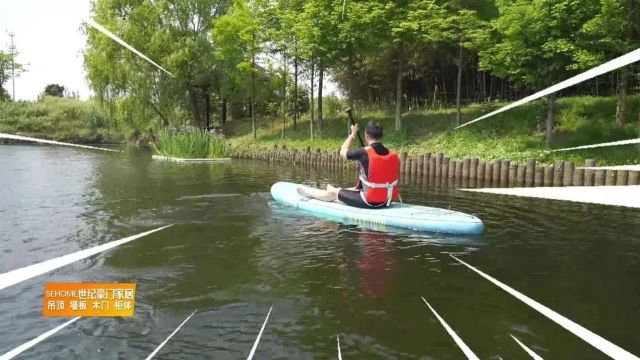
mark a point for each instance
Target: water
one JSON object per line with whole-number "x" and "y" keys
{"x": 233, "y": 253}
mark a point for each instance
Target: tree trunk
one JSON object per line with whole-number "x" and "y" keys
{"x": 621, "y": 108}
{"x": 195, "y": 109}
{"x": 313, "y": 110}
{"x": 207, "y": 107}
{"x": 253, "y": 97}
{"x": 223, "y": 111}
{"x": 320, "y": 122}
{"x": 295, "y": 91}
{"x": 399, "y": 89}
{"x": 459, "y": 86}
{"x": 490, "y": 88}
{"x": 284, "y": 96}
{"x": 550, "y": 115}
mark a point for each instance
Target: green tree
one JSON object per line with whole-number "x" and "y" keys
{"x": 531, "y": 43}
{"x": 8, "y": 68}
{"x": 54, "y": 90}
{"x": 176, "y": 34}
{"x": 612, "y": 32}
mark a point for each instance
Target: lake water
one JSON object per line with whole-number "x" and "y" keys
{"x": 233, "y": 253}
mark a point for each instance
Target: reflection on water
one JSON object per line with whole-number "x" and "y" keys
{"x": 233, "y": 253}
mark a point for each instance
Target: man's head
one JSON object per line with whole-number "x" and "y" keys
{"x": 373, "y": 132}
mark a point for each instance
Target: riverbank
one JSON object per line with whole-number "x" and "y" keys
{"x": 516, "y": 135}
{"x": 60, "y": 119}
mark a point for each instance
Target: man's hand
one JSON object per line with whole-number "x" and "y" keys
{"x": 346, "y": 145}
{"x": 354, "y": 129}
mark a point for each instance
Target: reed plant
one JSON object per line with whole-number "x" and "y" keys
{"x": 196, "y": 145}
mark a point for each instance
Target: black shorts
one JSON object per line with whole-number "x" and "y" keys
{"x": 353, "y": 198}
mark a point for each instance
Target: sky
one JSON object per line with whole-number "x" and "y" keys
{"x": 50, "y": 42}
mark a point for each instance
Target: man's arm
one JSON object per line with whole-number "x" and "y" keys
{"x": 346, "y": 145}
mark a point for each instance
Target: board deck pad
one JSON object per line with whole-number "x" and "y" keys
{"x": 405, "y": 216}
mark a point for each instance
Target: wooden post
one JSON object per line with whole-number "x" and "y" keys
{"x": 414, "y": 166}
{"x": 538, "y": 179}
{"x": 598, "y": 178}
{"x": 447, "y": 165}
{"x": 403, "y": 162}
{"x": 567, "y": 178}
{"x": 504, "y": 172}
{"x": 425, "y": 167}
{"x": 634, "y": 178}
{"x": 473, "y": 168}
{"x": 420, "y": 168}
{"x": 496, "y": 172}
{"x": 588, "y": 173}
{"x": 578, "y": 177}
{"x": 610, "y": 177}
{"x": 480, "y": 170}
{"x": 458, "y": 170}
{"x": 407, "y": 168}
{"x": 439, "y": 165}
{"x": 558, "y": 172}
{"x": 513, "y": 172}
{"x": 623, "y": 177}
{"x": 488, "y": 174}
{"x": 432, "y": 168}
{"x": 521, "y": 175}
{"x": 465, "y": 168}
{"x": 548, "y": 176}
{"x": 530, "y": 173}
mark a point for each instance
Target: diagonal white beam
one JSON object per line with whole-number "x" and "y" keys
{"x": 115, "y": 38}
{"x": 169, "y": 337}
{"x": 255, "y": 344}
{"x": 25, "y": 273}
{"x": 595, "y": 340}
{"x": 613, "y": 143}
{"x": 616, "y": 63}
{"x": 51, "y": 142}
{"x": 29, "y": 344}
{"x": 339, "y": 352}
{"x": 524, "y": 347}
{"x": 465, "y": 349}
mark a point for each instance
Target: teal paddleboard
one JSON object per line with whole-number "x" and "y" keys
{"x": 406, "y": 216}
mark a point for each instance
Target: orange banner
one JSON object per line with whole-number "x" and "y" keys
{"x": 88, "y": 299}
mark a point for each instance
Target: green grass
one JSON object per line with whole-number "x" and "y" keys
{"x": 191, "y": 145}
{"x": 515, "y": 135}
{"x": 58, "y": 119}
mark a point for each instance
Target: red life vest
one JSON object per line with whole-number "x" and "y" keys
{"x": 381, "y": 184}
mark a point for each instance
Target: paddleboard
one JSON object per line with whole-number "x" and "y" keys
{"x": 398, "y": 215}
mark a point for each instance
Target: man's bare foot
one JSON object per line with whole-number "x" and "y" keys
{"x": 303, "y": 192}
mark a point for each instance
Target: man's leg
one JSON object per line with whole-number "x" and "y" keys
{"x": 330, "y": 194}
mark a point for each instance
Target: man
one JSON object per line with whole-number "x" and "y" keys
{"x": 379, "y": 169}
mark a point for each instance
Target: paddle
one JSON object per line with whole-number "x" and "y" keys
{"x": 349, "y": 111}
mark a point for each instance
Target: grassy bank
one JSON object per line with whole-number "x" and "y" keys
{"x": 59, "y": 119}
{"x": 516, "y": 135}
{"x": 190, "y": 146}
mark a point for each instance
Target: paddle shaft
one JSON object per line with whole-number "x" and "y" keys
{"x": 351, "y": 122}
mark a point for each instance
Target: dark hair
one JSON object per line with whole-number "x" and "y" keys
{"x": 374, "y": 130}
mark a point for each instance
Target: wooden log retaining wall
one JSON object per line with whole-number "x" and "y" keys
{"x": 437, "y": 168}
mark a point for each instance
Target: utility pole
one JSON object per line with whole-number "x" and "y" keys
{"x": 12, "y": 48}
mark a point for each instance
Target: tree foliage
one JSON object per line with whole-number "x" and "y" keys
{"x": 250, "y": 56}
